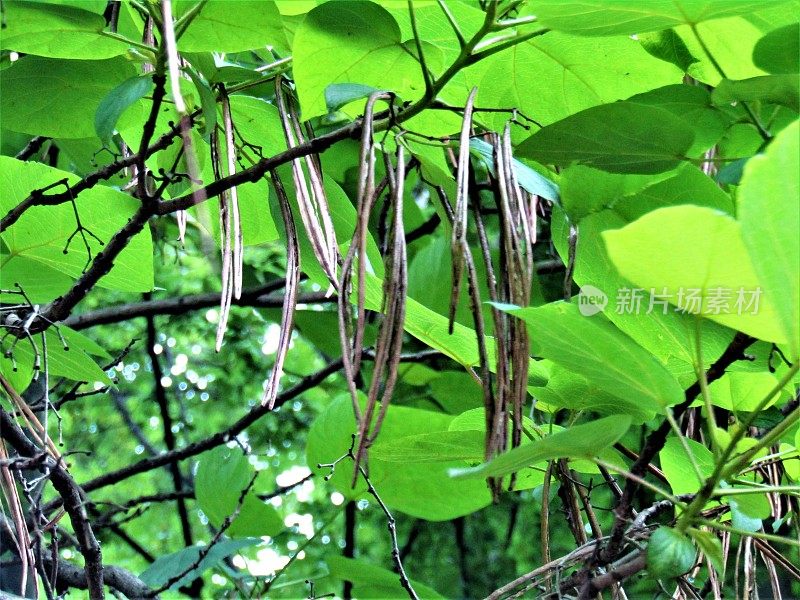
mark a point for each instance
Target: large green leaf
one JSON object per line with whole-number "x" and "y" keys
{"x": 42, "y": 232}
{"x": 371, "y": 581}
{"x": 667, "y": 334}
{"x": 354, "y": 42}
{"x": 441, "y": 446}
{"x": 222, "y": 476}
{"x": 678, "y": 467}
{"x": 624, "y": 137}
{"x": 743, "y": 392}
{"x": 778, "y": 52}
{"x": 691, "y": 104}
{"x": 568, "y": 73}
{"x": 579, "y": 441}
{"x": 117, "y": 101}
{"x": 694, "y": 258}
{"x": 423, "y": 490}
{"x": 69, "y": 89}
{"x": 730, "y": 41}
{"x": 623, "y": 17}
{"x": 224, "y": 27}
{"x": 595, "y": 349}
{"x": 769, "y": 213}
{"x": 566, "y": 389}
{"x": 775, "y": 89}
{"x": 168, "y": 566}
{"x": 56, "y": 31}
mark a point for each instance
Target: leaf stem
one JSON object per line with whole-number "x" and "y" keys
{"x": 766, "y": 135}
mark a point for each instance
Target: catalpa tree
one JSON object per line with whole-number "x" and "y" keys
{"x": 384, "y": 299}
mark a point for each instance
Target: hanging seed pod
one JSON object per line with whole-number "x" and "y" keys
{"x": 459, "y": 239}
{"x": 185, "y": 123}
{"x": 390, "y": 335}
{"x": 312, "y": 202}
{"x": 290, "y": 296}
{"x": 352, "y": 334}
{"x": 225, "y": 246}
{"x": 230, "y": 153}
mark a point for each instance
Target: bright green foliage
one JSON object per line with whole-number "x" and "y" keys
{"x": 768, "y": 206}
{"x": 655, "y": 145}
{"x": 623, "y": 137}
{"x": 73, "y": 90}
{"x": 580, "y": 441}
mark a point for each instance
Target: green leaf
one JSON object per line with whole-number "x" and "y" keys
{"x": 566, "y": 389}
{"x": 778, "y": 52}
{"x": 707, "y": 270}
{"x": 371, "y": 581}
{"x": 222, "y": 476}
{"x": 168, "y": 566}
{"x": 338, "y": 95}
{"x": 595, "y": 349}
{"x": 568, "y": 73}
{"x": 579, "y": 441}
{"x": 117, "y": 101}
{"x": 710, "y": 546}
{"x": 669, "y": 553}
{"x": 71, "y": 362}
{"x": 529, "y": 180}
{"x": 624, "y": 137}
{"x": 623, "y": 17}
{"x": 423, "y": 490}
{"x": 668, "y": 46}
{"x": 742, "y": 392}
{"x": 46, "y": 29}
{"x": 775, "y": 89}
{"x": 691, "y": 104}
{"x": 42, "y": 232}
{"x": 442, "y": 446}
{"x": 222, "y": 27}
{"x": 747, "y": 511}
{"x": 351, "y": 42}
{"x": 667, "y": 334}
{"x": 208, "y": 103}
{"x": 767, "y": 205}
{"x": 677, "y": 465}
{"x": 730, "y": 41}
{"x": 71, "y": 89}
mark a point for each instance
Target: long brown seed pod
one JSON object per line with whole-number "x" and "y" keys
{"x": 390, "y": 336}
{"x": 173, "y": 65}
{"x": 459, "y": 238}
{"x": 313, "y": 204}
{"x": 351, "y": 351}
{"x": 225, "y": 247}
{"x": 230, "y": 153}
{"x": 289, "y": 298}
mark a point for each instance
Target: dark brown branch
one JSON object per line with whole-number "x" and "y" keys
{"x": 38, "y": 198}
{"x": 116, "y": 578}
{"x": 32, "y": 147}
{"x": 257, "y": 297}
{"x": 216, "y": 439}
{"x": 653, "y": 445}
{"x": 72, "y": 499}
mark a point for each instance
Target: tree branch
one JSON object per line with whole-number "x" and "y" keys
{"x": 256, "y": 297}
{"x": 71, "y": 497}
{"x": 38, "y": 198}
{"x": 655, "y": 443}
